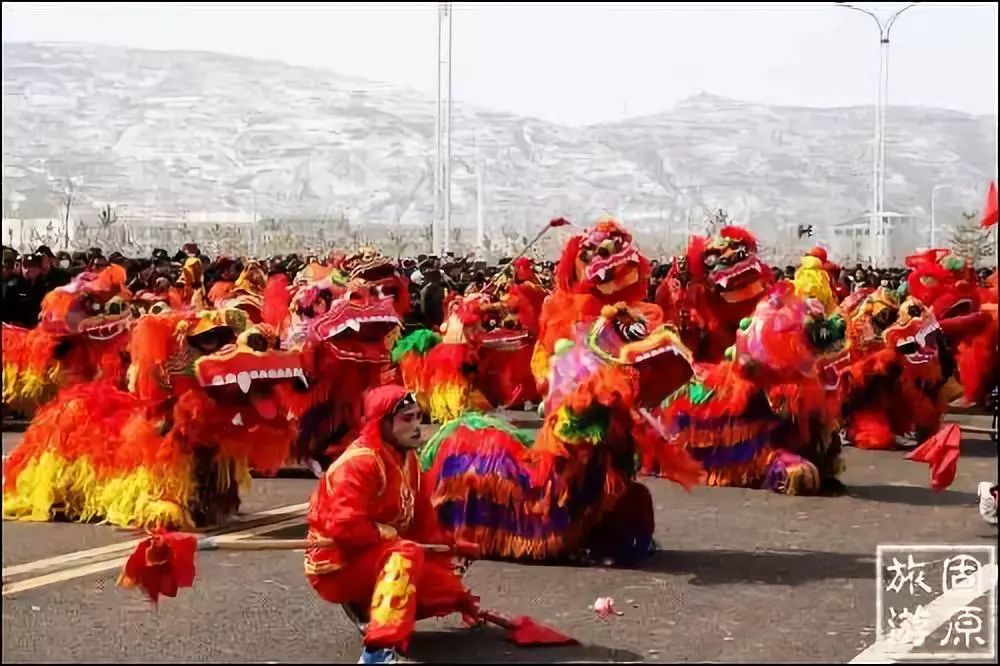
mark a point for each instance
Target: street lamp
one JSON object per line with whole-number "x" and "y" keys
{"x": 934, "y": 214}
{"x": 881, "y": 104}
{"x": 442, "y": 132}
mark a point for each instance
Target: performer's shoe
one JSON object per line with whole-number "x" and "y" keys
{"x": 379, "y": 656}
{"x": 988, "y": 502}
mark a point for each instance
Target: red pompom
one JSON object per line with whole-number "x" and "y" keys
{"x": 161, "y": 564}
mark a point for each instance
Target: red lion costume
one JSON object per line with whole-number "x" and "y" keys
{"x": 948, "y": 284}
{"x": 599, "y": 266}
{"x": 727, "y": 280}
{"x": 82, "y": 335}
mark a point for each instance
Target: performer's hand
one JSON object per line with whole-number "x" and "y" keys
{"x": 468, "y": 549}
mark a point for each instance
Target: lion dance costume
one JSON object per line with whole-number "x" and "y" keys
{"x": 727, "y": 278}
{"x": 966, "y": 313}
{"x": 894, "y": 382}
{"x": 481, "y": 359}
{"x": 204, "y": 406}
{"x": 344, "y": 325}
{"x": 82, "y": 336}
{"x": 767, "y": 417}
{"x": 599, "y": 266}
{"x": 570, "y": 493}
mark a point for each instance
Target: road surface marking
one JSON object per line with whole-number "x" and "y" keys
{"x": 939, "y": 611}
{"x": 117, "y": 562}
{"x": 50, "y": 562}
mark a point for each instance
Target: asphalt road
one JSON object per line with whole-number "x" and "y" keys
{"x": 741, "y": 576}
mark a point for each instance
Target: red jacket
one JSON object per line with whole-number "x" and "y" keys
{"x": 371, "y": 493}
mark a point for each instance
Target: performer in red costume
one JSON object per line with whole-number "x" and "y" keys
{"x": 370, "y": 503}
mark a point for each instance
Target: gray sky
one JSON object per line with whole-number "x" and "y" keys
{"x": 577, "y": 63}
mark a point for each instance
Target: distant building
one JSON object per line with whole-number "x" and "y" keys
{"x": 851, "y": 242}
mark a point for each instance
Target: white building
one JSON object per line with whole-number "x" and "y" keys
{"x": 851, "y": 242}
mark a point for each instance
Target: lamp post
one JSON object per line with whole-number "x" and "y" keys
{"x": 934, "y": 214}
{"x": 442, "y": 163}
{"x": 881, "y": 104}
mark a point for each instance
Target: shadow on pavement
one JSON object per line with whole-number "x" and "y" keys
{"x": 726, "y": 567}
{"x": 913, "y": 495}
{"x": 488, "y": 645}
{"x": 978, "y": 448}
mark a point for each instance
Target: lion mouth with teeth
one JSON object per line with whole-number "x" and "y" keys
{"x": 91, "y": 307}
{"x": 240, "y": 365}
{"x": 633, "y": 336}
{"x": 733, "y": 267}
{"x": 361, "y": 325}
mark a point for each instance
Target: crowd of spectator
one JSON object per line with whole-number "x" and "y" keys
{"x": 28, "y": 277}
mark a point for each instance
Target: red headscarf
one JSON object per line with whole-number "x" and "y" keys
{"x": 378, "y": 403}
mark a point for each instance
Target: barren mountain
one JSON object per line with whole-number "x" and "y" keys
{"x": 169, "y": 134}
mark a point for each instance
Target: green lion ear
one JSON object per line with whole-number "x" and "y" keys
{"x": 745, "y": 323}
{"x": 730, "y": 352}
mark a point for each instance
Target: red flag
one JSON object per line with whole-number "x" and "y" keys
{"x": 990, "y": 215}
{"x": 941, "y": 452}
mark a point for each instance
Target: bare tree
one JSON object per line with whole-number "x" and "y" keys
{"x": 970, "y": 240}
{"x": 69, "y": 193}
{"x": 398, "y": 242}
{"x": 107, "y": 217}
{"x": 715, "y": 220}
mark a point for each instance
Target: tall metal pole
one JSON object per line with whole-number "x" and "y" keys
{"x": 447, "y": 182}
{"x": 437, "y": 147}
{"x": 934, "y": 214}
{"x": 878, "y": 185}
{"x": 480, "y": 216}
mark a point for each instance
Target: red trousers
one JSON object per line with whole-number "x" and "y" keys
{"x": 399, "y": 583}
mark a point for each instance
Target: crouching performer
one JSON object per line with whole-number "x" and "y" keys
{"x": 390, "y": 565}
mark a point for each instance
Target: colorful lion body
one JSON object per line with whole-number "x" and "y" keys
{"x": 173, "y": 451}
{"x": 766, "y": 418}
{"x": 977, "y": 353}
{"x": 82, "y": 336}
{"x": 898, "y": 370}
{"x": 573, "y": 489}
{"x": 967, "y": 315}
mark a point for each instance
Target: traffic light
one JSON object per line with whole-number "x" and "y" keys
{"x": 805, "y": 230}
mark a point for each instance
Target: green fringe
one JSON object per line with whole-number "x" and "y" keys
{"x": 695, "y": 391}
{"x": 472, "y": 421}
{"x": 591, "y": 426}
{"x": 419, "y": 342}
